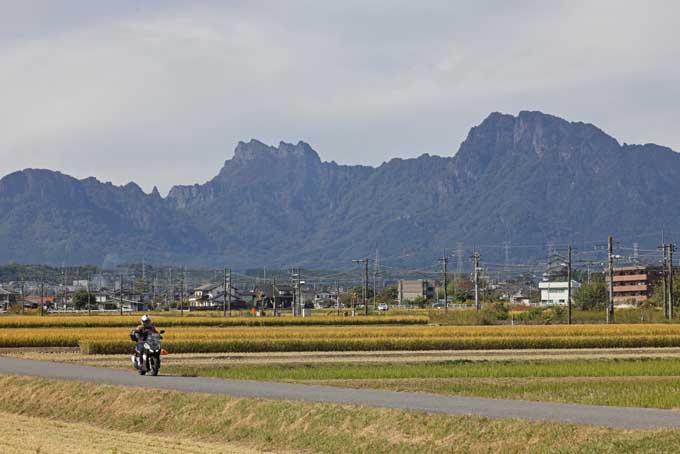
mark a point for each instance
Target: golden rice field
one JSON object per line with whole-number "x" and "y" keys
{"x": 194, "y": 339}
{"x": 84, "y": 321}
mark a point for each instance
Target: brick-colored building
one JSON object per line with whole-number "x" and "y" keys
{"x": 635, "y": 284}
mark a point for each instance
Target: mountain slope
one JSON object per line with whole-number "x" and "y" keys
{"x": 529, "y": 179}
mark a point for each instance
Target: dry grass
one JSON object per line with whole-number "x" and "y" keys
{"x": 320, "y": 428}
{"x": 29, "y": 435}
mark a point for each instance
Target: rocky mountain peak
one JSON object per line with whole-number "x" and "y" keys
{"x": 254, "y": 150}
{"x": 531, "y": 135}
{"x": 529, "y": 178}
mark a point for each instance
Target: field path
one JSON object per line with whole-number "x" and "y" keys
{"x": 615, "y": 417}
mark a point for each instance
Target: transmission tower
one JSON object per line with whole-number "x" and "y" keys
{"x": 506, "y": 268}
{"x": 460, "y": 253}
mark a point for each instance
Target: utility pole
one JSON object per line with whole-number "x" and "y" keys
{"x": 445, "y": 262}
{"x": 475, "y": 263}
{"x": 229, "y": 287}
{"x": 301, "y": 298}
{"x": 671, "y": 249}
{"x": 610, "y": 260}
{"x": 274, "y": 294}
{"x": 181, "y": 291}
{"x": 365, "y": 283}
{"x": 376, "y": 273}
{"x": 42, "y": 296}
{"x": 224, "y": 297}
{"x": 506, "y": 267}
{"x": 171, "y": 290}
{"x": 63, "y": 290}
{"x": 375, "y": 279}
{"x": 120, "y": 300}
{"x": 23, "y": 301}
{"x": 153, "y": 289}
{"x": 295, "y": 277}
{"x": 664, "y": 268}
{"x": 374, "y": 291}
{"x": 337, "y": 296}
{"x": 569, "y": 285}
{"x": 89, "y": 302}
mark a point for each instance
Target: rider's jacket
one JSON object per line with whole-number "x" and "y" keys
{"x": 142, "y": 332}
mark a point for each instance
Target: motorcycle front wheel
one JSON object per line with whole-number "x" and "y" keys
{"x": 154, "y": 365}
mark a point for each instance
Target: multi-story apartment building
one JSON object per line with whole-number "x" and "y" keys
{"x": 634, "y": 284}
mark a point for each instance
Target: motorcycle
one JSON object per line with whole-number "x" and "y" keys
{"x": 150, "y": 357}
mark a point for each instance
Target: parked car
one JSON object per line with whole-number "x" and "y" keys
{"x": 382, "y": 307}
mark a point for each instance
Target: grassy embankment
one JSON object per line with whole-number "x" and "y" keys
{"x": 320, "y": 428}
{"x": 20, "y": 436}
{"x": 638, "y": 383}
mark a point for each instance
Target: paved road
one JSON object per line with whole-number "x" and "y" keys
{"x": 616, "y": 417}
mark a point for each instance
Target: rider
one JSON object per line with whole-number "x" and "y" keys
{"x": 140, "y": 334}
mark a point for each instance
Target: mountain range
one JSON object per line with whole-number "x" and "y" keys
{"x": 529, "y": 180}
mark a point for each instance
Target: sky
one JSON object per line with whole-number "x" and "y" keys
{"x": 160, "y": 93}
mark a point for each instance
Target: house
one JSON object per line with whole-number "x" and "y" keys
{"x": 557, "y": 292}
{"x": 204, "y": 295}
{"x": 282, "y": 295}
{"x": 411, "y": 290}
{"x": 634, "y": 284}
{"x": 105, "y": 300}
{"x": 212, "y": 297}
{"x": 221, "y": 300}
{"x": 35, "y": 301}
{"x": 325, "y": 299}
{"x": 7, "y": 298}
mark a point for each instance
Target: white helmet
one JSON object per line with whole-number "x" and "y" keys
{"x": 146, "y": 319}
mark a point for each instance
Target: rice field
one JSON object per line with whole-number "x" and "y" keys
{"x": 221, "y": 339}
{"x": 652, "y": 383}
{"x": 94, "y": 321}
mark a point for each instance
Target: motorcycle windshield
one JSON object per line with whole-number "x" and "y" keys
{"x": 154, "y": 342}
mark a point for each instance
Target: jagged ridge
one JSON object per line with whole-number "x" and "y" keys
{"x": 530, "y": 178}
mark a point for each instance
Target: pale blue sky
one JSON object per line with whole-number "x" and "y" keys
{"x": 161, "y": 92}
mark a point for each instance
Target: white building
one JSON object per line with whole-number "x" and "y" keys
{"x": 556, "y": 292}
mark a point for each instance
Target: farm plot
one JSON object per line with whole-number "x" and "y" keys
{"x": 235, "y": 339}
{"x": 102, "y": 321}
{"x": 653, "y": 383}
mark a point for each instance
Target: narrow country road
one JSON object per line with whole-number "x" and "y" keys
{"x": 615, "y": 417}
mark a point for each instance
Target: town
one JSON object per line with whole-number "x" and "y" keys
{"x": 644, "y": 281}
